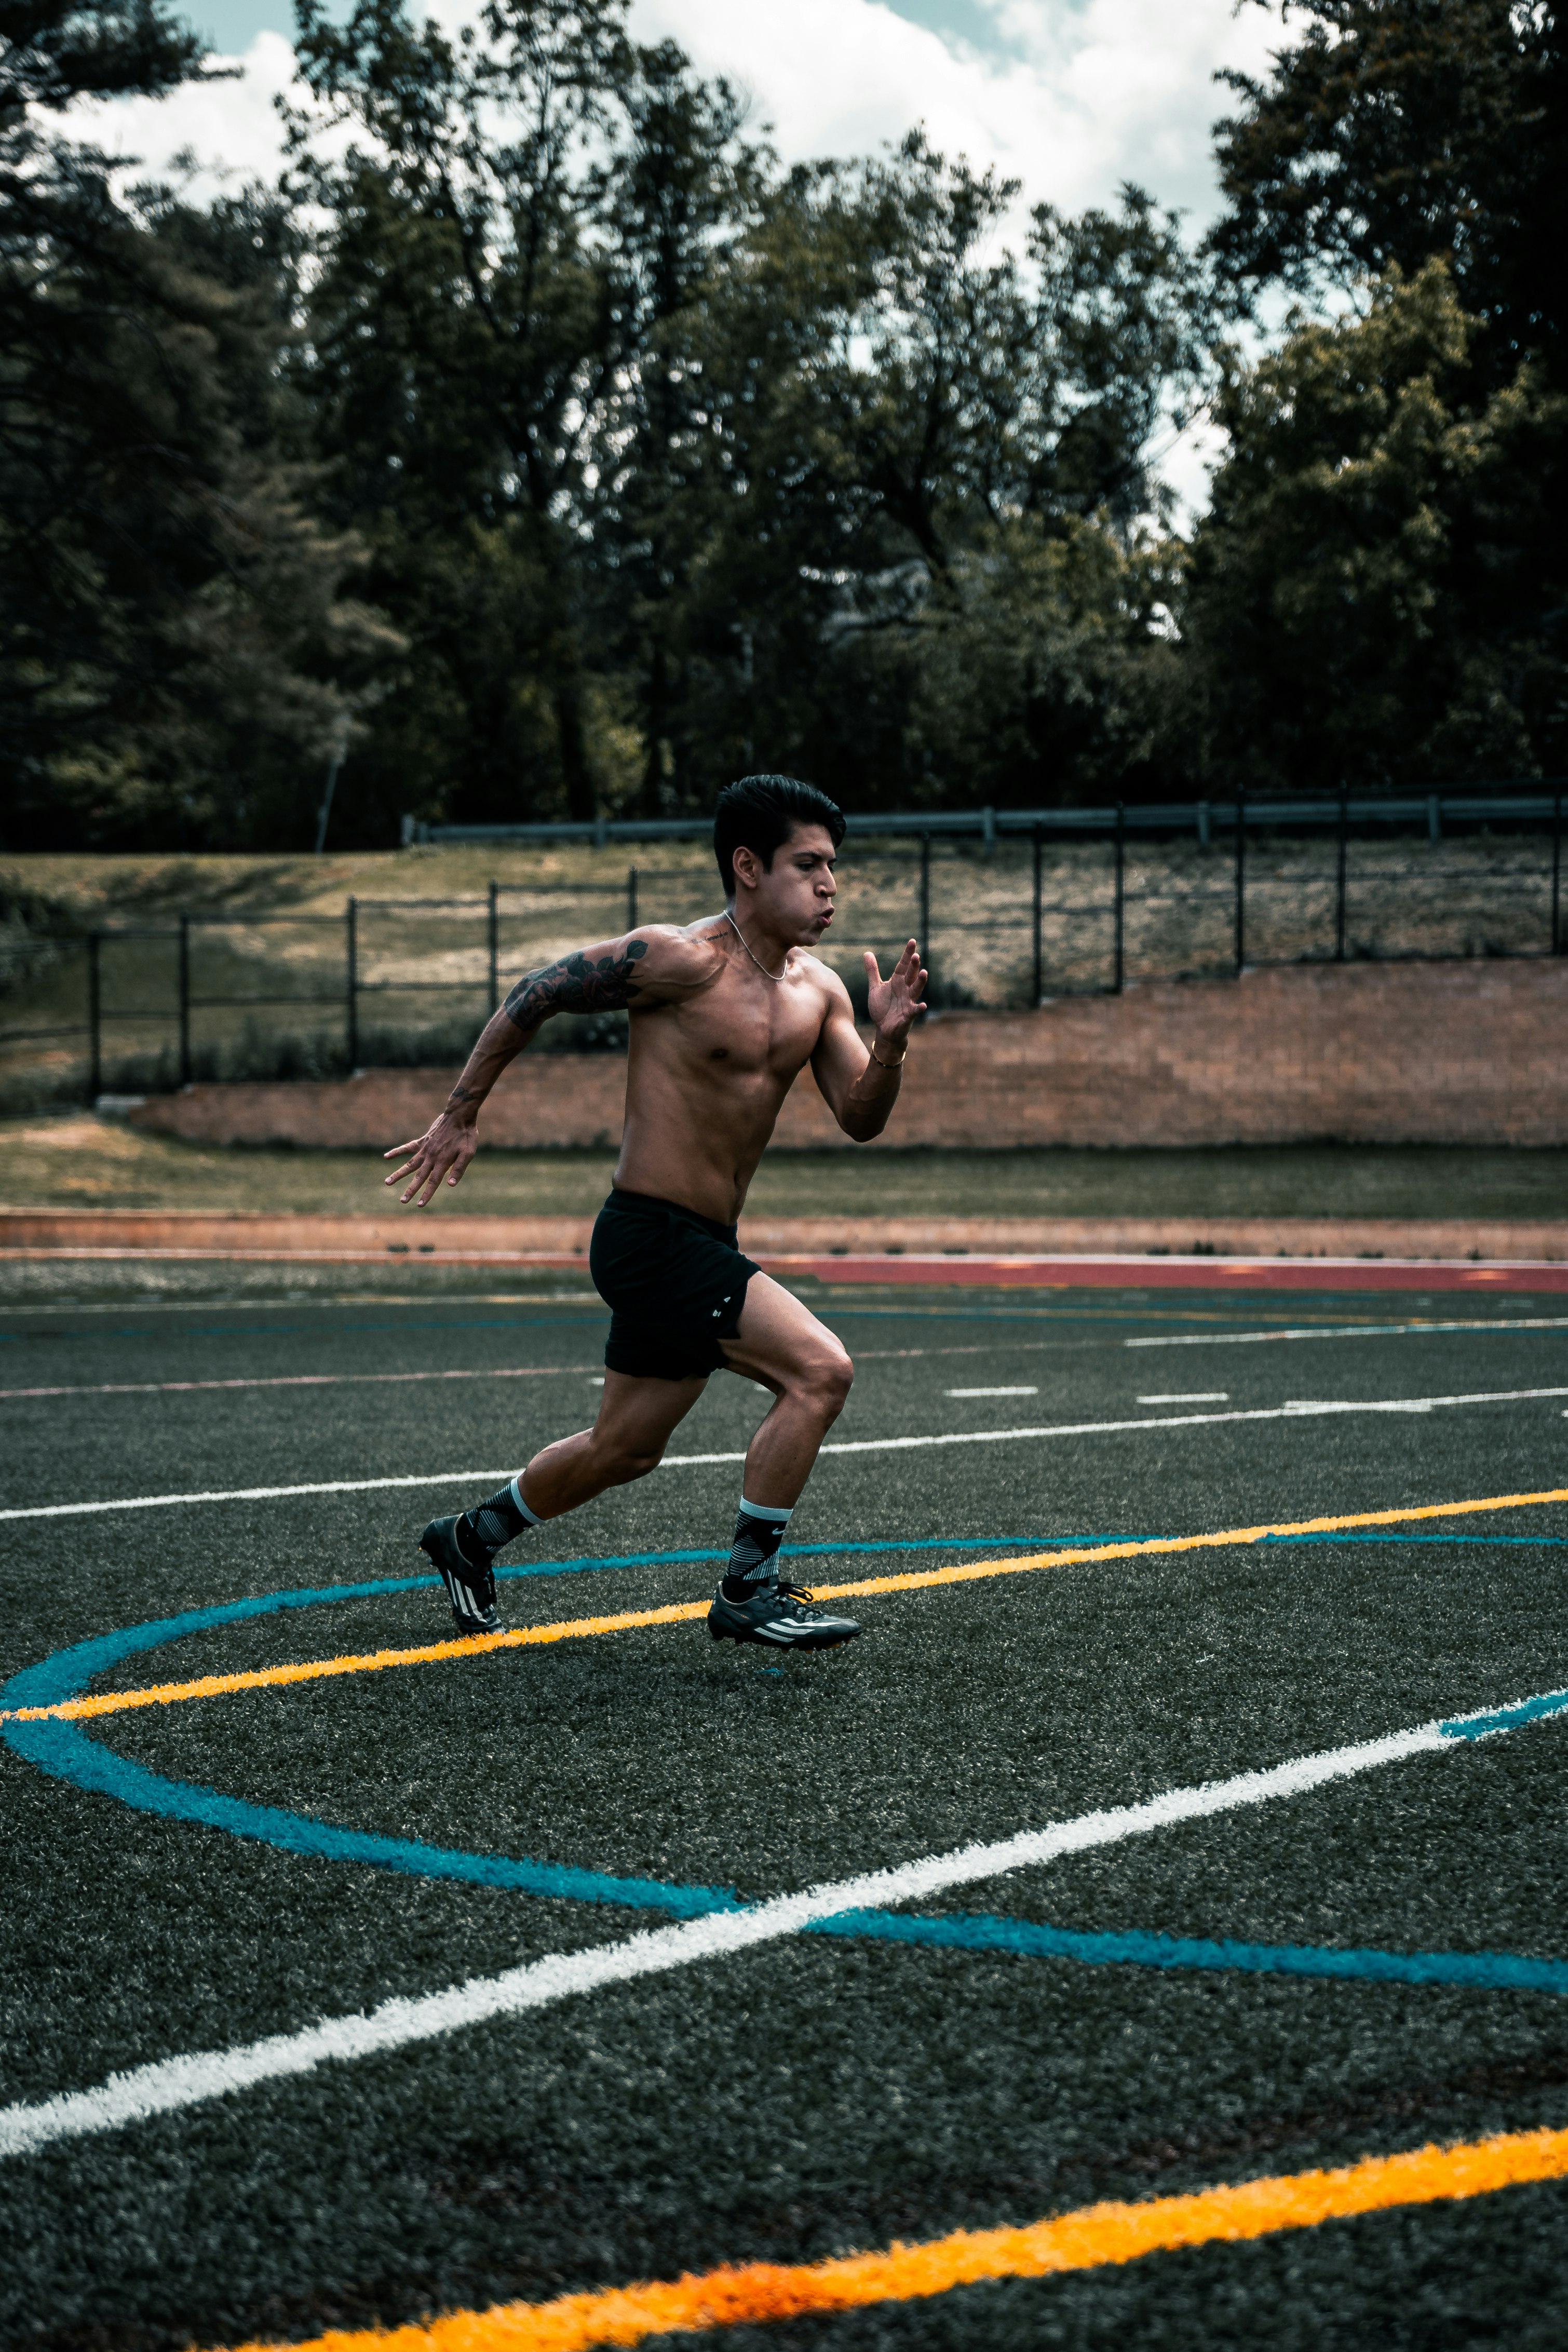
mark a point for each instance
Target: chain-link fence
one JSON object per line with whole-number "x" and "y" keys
{"x": 1009, "y": 912}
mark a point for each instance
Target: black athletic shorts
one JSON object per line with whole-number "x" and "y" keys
{"x": 674, "y": 1282}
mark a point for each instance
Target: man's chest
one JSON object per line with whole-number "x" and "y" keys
{"x": 733, "y": 1027}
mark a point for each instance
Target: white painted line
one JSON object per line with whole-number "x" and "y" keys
{"x": 262, "y": 1494}
{"x": 170, "y": 2083}
{"x": 1196, "y": 1396}
{"x": 1165, "y": 1421}
{"x": 1351, "y": 1331}
{"x": 1306, "y": 1410}
{"x": 299, "y": 1302}
{"x": 290, "y": 1381}
{"x": 974, "y": 1393}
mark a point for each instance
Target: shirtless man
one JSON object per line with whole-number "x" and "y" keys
{"x": 724, "y": 1015}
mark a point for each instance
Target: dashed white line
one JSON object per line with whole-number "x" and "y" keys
{"x": 1348, "y": 1331}
{"x": 1302, "y": 1410}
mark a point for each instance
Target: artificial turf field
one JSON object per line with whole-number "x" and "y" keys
{"x": 186, "y": 1879}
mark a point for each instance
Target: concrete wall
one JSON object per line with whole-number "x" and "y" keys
{"x": 1461, "y": 1053}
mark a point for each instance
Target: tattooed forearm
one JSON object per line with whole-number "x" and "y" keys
{"x": 578, "y": 984}
{"x": 575, "y": 986}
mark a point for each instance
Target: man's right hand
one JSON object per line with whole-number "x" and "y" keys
{"x": 445, "y": 1149}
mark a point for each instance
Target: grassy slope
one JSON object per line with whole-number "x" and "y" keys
{"x": 74, "y": 1161}
{"x": 115, "y": 886}
{"x": 79, "y": 1162}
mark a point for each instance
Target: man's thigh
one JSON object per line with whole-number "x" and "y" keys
{"x": 640, "y": 1414}
{"x": 779, "y": 1339}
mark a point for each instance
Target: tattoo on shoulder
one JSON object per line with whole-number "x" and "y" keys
{"x": 576, "y": 984}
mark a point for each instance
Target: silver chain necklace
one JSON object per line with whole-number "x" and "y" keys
{"x": 777, "y": 977}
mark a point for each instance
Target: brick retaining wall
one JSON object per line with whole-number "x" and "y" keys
{"x": 1461, "y": 1053}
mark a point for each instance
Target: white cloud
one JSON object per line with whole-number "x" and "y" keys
{"x": 232, "y": 127}
{"x": 1072, "y": 100}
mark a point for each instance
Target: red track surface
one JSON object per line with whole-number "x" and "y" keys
{"x": 1184, "y": 1272}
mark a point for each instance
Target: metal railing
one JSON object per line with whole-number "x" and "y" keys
{"x": 1009, "y": 907}
{"x": 1509, "y": 800}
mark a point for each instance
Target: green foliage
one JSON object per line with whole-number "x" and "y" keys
{"x": 1380, "y": 593}
{"x": 661, "y": 453}
{"x": 543, "y": 443}
{"x": 466, "y": 329}
{"x": 30, "y": 925}
{"x": 1397, "y": 130}
{"x": 1366, "y": 593}
{"x": 170, "y": 611}
{"x": 1051, "y": 672}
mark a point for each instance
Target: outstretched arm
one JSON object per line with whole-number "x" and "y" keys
{"x": 600, "y": 978}
{"x": 859, "y": 1087}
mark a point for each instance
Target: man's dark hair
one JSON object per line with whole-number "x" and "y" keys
{"x": 761, "y": 813}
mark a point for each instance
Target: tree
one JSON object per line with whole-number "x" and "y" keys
{"x": 1394, "y": 130}
{"x": 1055, "y": 675}
{"x": 950, "y": 450}
{"x": 467, "y": 332}
{"x": 166, "y": 603}
{"x": 682, "y": 190}
{"x": 1128, "y": 340}
{"x": 661, "y": 453}
{"x": 1377, "y": 592}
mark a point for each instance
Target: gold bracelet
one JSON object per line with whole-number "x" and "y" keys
{"x": 889, "y": 1066}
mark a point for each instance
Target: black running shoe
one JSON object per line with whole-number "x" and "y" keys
{"x": 776, "y": 1617}
{"x": 471, "y": 1590}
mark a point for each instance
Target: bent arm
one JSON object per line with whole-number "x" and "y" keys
{"x": 860, "y": 1084}
{"x": 863, "y": 1105}
{"x": 606, "y": 978}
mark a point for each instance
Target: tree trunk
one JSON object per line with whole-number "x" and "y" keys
{"x": 657, "y": 713}
{"x": 582, "y": 800}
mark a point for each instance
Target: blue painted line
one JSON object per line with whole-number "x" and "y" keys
{"x": 60, "y": 1751}
{"x": 1505, "y": 1719}
{"x": 64, "y": 1751}
{"x": 64, "y": 1673}
{"x": 972, "y": 1932}
{"x": 985, "y": 1543}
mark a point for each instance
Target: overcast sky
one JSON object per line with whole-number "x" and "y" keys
{"x": 1071, "y": 97}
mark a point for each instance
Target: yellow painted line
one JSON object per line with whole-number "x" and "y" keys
{"x": 1086, "y": 2240}
{"x": 365, "y": 1661}
{"x": 969, "y": 1571}
{"x": 522, "y": 1637}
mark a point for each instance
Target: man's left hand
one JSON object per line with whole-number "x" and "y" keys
{"x": 895, "y": 1004}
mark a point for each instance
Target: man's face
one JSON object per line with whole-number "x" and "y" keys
{"x": 794, "y": 895}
